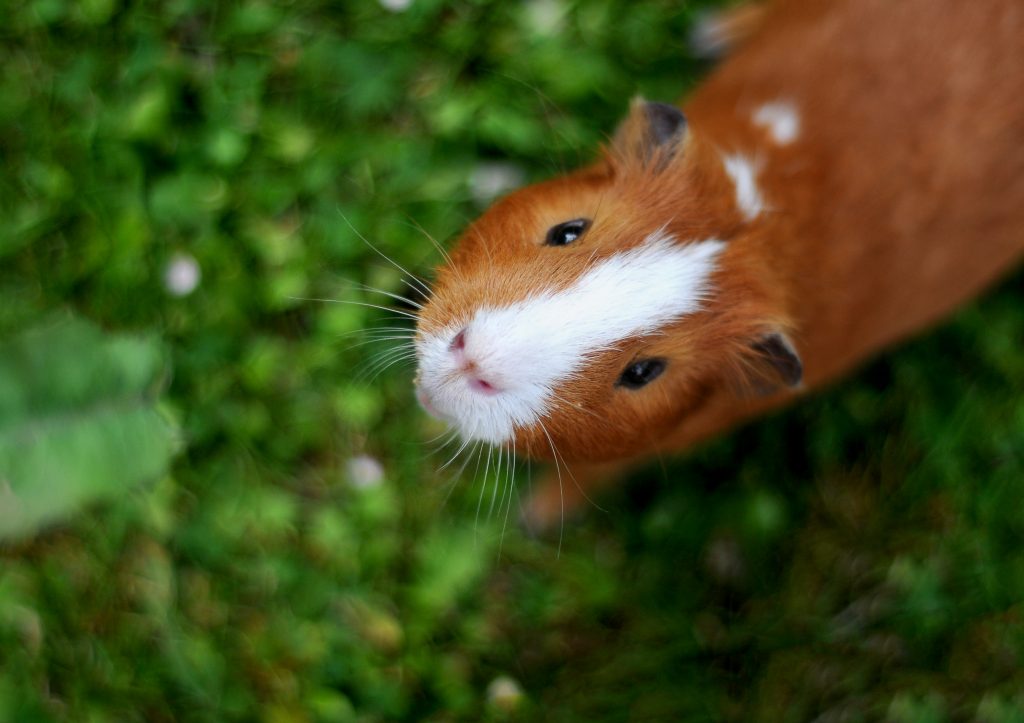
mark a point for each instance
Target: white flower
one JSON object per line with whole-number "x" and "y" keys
{"x": 396, "y": 6}
{"x": 364, "y": 472}
{"x": 504, "y": 693}
{"x": 182, "y": 275}
{"x": 545, "y": 17}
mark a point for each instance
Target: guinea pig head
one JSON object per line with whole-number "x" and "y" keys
{"x": 595, "y": 313}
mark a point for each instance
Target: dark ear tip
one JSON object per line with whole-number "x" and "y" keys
{"x": 779, "y": 351}
{"x": 666, "y": 121}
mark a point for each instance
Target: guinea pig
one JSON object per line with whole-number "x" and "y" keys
{"x": 848, "y": 176}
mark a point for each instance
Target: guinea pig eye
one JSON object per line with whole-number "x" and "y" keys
{"x": 641, "y": 373}
{"x": 566, "y": 233}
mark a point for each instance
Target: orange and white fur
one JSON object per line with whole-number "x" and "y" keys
{"x": 848, "y": 176}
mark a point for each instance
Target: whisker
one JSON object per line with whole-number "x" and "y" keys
{"x": 454, "y": 456}
{"x": 415, "y": 224}
{"x": 394, "y": 362}
{"x": 458, "y": 475}
{"x": 381, "y": 334}
{"x": 487, "y": 249}
{"x": 529, "y": 488}
{"x": 483, "y": 486}
{"x": 509, "y": 473}
{"x": 376, "y": 330}
{"x": 407, "y": 314}
{"x": 425, "y": 295}
{"x": 396, "y": 297}
{"x": 497, "y": 479}
{"x": 407, "y": 341}
{"x": 576, "y": 483}
{"x": 400, "y": 351}
{"x": 380, "y": 253}
{"x": 380, "y": 359}
{"x": 386, "y": 360}
{"x": 444, "y": 254}
{"x": 508, "y": 507}
{"x": 476, "y": 470}
{"x": 446, "y": 433}
{"x": 568, "y": 469}
{"x": 561, "y": 492}
{"x": 441, "y": 441}
{"x": 402, "y": 348}
{"x": 371, "y": 375}
{"x": 476, "y": 450}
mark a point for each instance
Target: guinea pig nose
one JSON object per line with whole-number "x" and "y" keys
{"x": 459, "y": 342}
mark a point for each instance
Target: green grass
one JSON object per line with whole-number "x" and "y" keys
{"x": 860, "y": 554}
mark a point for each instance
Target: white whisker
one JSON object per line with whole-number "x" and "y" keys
{"x": 508, "y": 507}
{"x": 561, "y": 493}
{"x": 406, "y": 342}
{"x": 444, "y": 254}
{"x": 497, "y": 479}
{"x": 454, "y": 456}
{"x": 396, "y": 297}
{"x": 381, "y": 253}
{"x": 385, "y": 361}
{"x": 483, "y": 486}
{"x": 407, "y": 314}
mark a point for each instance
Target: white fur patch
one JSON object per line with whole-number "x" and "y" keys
{"x": 528, "y": 349}
{"x": 743, "y": 173}
{"x": 781, "y": 119}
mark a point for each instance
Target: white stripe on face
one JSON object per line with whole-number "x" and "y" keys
{"x": 743, "y": 173}
{"x": 528, "y": 349}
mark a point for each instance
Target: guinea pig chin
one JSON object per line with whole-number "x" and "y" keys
{"x": 506, "y": 367}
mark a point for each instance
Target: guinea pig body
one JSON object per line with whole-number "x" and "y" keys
{"x": 852, "y": 174}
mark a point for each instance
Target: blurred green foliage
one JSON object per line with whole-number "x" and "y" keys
{"x": 78, "y": 422}
{"x": 202, "y": 172}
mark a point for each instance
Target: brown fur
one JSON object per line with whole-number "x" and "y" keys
{"x": 902, "y": 197}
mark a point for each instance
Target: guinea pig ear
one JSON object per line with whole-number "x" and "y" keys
{"x": 774, "y": 364}
{"x": 650, "y": 135}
